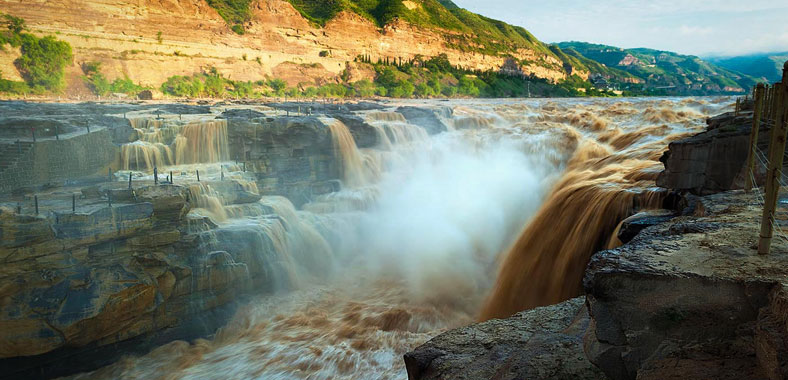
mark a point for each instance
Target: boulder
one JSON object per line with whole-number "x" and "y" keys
{"x": 691, "y": 298}
{"x": 426, "y": 118}
{"x": 145, "y": 95}
{"x": 543, "y": 343}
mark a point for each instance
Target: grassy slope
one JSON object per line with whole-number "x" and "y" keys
{"x": 488, "y": 35}
{"x": 662, "y": 68}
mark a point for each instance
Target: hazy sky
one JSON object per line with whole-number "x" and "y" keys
{"x": 699, "y": 27}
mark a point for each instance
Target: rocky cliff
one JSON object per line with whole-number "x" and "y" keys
{"x": 149, "y": 41}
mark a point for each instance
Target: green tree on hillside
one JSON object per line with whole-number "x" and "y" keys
{"x": 43, "y": 62}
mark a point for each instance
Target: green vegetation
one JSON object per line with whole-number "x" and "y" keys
{"x": 423, "y": 78}
{"x": 768, "y": 67}
{"x": 99, "y": 84}
{"x": 234, "y": 12}
{"x": 465, "y": 30}
{"x": 42, "y": 62}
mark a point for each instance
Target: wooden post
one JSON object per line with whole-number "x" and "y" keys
{"x": 73, "y": 203}
{"x": 155, "y": 175}
{"x": 35, "y": 200}
{"x": 776, "y": 153}
{"x": 172, "y": 179}
{"x": 738, "y": 105}
{"x": 222, "y": 170}
{"x": 756, "y": 125}
{"x": 129, "y": 180}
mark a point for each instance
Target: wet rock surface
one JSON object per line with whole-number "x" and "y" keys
{"x": 543, "y": 343}
{"x": 691, "y": 298}
{"x": 108, "y": 280}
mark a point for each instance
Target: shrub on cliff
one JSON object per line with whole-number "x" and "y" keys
{"x": 43, "y": 62}
{"x": 234, "y": 12}
{"x": 100, "y": 85}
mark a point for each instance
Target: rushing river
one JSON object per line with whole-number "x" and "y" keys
{"x": 498, "y": 214}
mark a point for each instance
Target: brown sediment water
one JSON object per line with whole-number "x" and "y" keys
{"x": 608, "y": 176}
{"x": 497, "y": 215}
{"x": 163, "y": 144}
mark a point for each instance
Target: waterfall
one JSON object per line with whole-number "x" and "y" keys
{"x": 165, "y": 144}
{"x": 357, "y": 169}
{"x": 202, "y": 142}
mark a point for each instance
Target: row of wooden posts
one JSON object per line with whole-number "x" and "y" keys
{"x": 770, "y": 107}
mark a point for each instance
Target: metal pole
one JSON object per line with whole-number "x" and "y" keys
{"x": 73, "y": 203}
{"x": 172, "y": 179}
{"x": 198, "y": 176}
{"x": 35, "y": 200}
{"x": 776, "y": 153}
{"x": 155, "y": 175}
{"x": 129, "y": 181}
{"x": 756, "y": 125}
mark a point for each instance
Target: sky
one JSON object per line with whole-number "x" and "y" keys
{"x": 698, "y": 27}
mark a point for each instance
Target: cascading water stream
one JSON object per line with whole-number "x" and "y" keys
{"x": 409, "y": 247}
{"x": 162, "y": 143}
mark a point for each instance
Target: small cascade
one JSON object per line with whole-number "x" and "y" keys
{"x": 163, "y": 143}
{"x": 143, "y": 156}
{"x": 357, "y": 169}
{"x": 208, "y": 199}
{"x": 392, "y": 128}
{"x": 202, "y": 142}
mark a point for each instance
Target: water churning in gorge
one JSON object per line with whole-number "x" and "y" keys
{"x": 498, "y": 214}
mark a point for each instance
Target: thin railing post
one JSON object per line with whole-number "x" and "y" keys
{"x": 776, "y": 153}
{"x": 756, "y": 125}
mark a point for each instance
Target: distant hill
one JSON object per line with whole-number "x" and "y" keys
{"x": 661, "y": 70}
{"x": 768, "y": 66}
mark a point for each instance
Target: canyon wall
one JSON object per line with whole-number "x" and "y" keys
{"x": 279, "y": 42}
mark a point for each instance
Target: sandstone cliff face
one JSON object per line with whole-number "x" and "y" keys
{"x": 122, "y": 34}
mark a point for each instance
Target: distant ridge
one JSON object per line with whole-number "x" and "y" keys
{"x": 765, "y": 65}
{"x": 663, "y": 69}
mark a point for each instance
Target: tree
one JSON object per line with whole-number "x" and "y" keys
{"x": 43, "y": 61}
{"x": 278, "y": 86}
